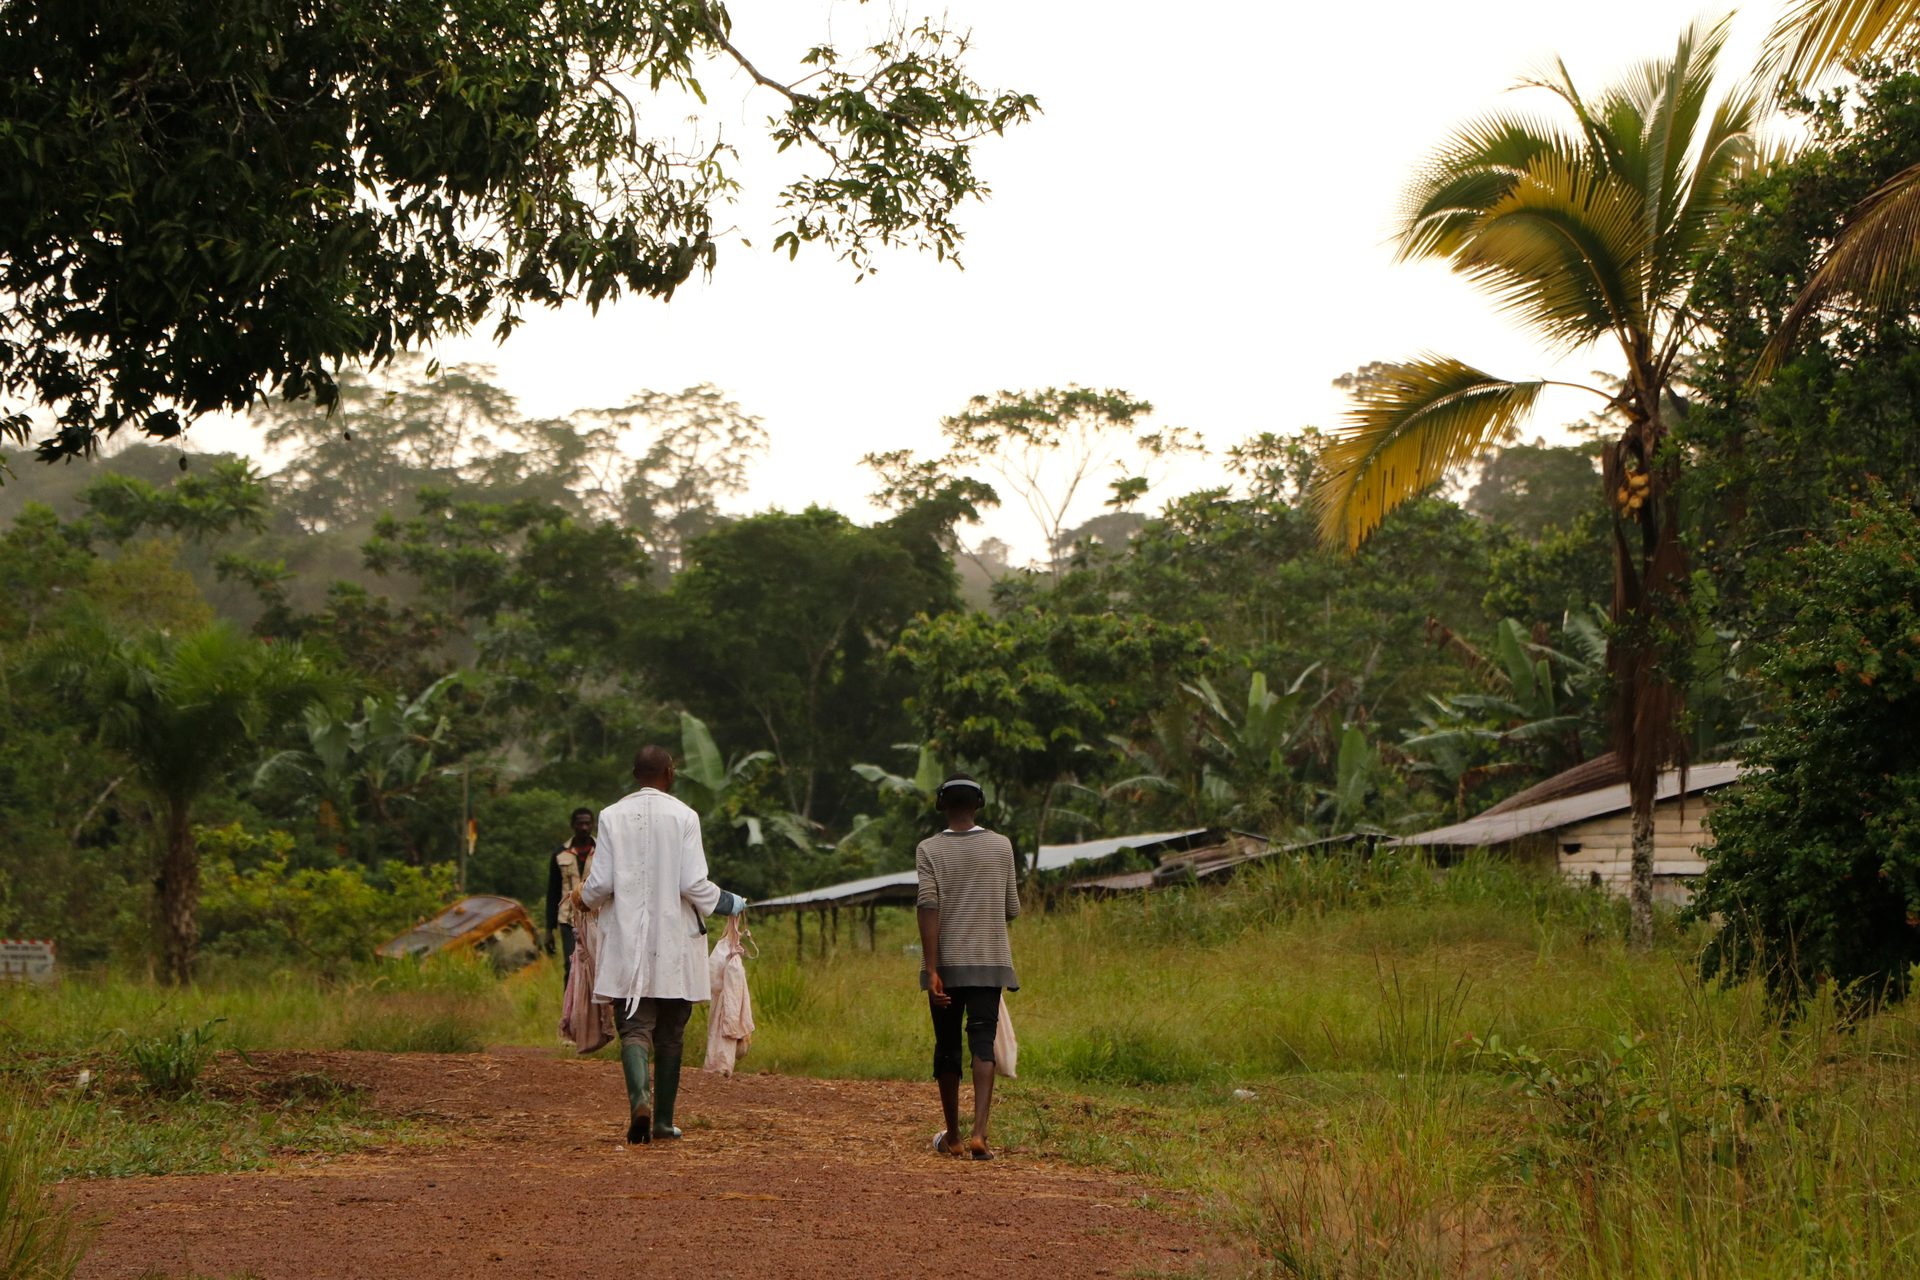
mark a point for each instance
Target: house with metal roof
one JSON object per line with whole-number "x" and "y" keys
{"x": 1581, "y": 821}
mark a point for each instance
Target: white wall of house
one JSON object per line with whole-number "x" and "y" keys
{"x": 1603, "y": 847}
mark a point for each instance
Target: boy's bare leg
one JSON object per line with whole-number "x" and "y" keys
{"x": 982, "y": 1102}
{"x": 950, "y": 1108}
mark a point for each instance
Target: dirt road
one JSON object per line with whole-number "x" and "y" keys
{"x": 776, "y": 1177}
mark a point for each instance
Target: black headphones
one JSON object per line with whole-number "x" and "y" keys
{"x": 959, "y": 782}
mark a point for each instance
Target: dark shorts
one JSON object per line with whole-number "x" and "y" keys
{"x": 980, "y": 1006}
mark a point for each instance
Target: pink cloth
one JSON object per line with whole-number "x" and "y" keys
{"x": 730, "y": 1019}
{"x": 587, "y": 1024}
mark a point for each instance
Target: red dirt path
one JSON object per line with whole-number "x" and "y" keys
{"x": 777, "y": 1177}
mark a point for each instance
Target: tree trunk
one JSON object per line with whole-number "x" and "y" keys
{"x": 180, "y": 895}
{"x": 1649, "y": 593}
{"x": 1640, "y": 885}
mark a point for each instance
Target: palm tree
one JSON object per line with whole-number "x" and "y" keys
{"x": 1585, "y": 231}
{"x": 1876, "y": 256}
{"x": 1812, "y": 37}
{"x": 183, "y": 710}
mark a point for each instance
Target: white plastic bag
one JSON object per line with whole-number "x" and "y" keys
{"x": 1006, "y": 1049}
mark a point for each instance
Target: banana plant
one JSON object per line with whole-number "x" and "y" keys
{"x": 926, "y": 779}
{"x": 1360, "y": 772}
{"x": 722, "y": 790}
{"x": 1529, "y": 714}
{"x": 1218, "y": 760}
{"x": 1267, "y": 729}
{"x": 376, "y": 761}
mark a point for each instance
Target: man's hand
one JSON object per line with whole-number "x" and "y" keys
{"x": 549, "y": 942}
{"x": 937, "y": 990}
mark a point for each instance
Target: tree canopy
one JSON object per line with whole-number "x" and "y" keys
{"x": 204, "y": 204}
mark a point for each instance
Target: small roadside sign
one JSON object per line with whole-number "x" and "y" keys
{"x": 26, "y": 960}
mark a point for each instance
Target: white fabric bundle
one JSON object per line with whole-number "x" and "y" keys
{"x": 1006, "y": 1050}
{"x": 730, "y": 1018}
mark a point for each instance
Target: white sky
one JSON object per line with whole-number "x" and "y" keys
{"x": 1199, "y": 218}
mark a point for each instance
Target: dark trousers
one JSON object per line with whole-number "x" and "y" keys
{"x": 981, "y": 1008}
{"x": 656, "y": 1025}
{"x": 566, "y": 952}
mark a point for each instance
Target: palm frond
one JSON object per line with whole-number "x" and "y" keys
{"x": 1729, "y": 151}
{"x": 1417, "y": 422}
{"x": 1814, "y": 37}
{"x": 1561, "y": 250}
{"x": 1472, "y": 172}
{"x": 1558, "y": 81}
{"x": 1672, "y": 99}
{"x": 1876, "y": 259}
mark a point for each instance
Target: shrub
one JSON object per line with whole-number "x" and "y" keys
{"x": 170, "y": 1065}
{"x": 1815, "y": 865}
{"x": 519, "y": 832}
{"x": 329, "y": 916}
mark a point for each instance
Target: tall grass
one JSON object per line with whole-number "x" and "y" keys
{"x": 448, "y": 1005}
{"x": 1452, "y": 1074}
{"x": 39, "y": 1238}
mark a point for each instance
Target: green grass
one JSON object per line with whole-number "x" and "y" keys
{"x": 1663, "y": 1129}
{"x": 1451, "y": 1075}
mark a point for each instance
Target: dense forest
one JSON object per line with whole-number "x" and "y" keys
{"x": 238, "y": 686}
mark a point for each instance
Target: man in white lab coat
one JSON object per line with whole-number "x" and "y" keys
{"x": 649, "y": 884}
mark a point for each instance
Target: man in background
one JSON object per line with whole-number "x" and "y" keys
{"x": 567, "y": 871}
{"x": 649, "y": 884}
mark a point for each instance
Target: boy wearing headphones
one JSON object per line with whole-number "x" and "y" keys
{"x": 968, "y": 892}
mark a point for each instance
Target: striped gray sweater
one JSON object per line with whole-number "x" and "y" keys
{"x": 968, "y": 877}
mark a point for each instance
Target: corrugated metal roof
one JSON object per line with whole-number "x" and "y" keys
{"x": 1601, "y": 771}
{"x": 901, "y": 886}
{"x": 1493, "y": 828}
{"x": 827, "y": 895}
{"x": 1055, "y": 856}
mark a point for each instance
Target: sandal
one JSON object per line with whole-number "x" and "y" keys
{"x": 942, "y": 1147}
{"x": 978, "y": 1150}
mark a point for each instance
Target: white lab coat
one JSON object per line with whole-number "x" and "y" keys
{"x": 650, "y": 875}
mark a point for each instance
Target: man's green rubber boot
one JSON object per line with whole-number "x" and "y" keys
{"x": 666, "y": 1093}
{"x": 633, "y": 1064}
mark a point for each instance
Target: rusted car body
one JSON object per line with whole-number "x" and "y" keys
{"x": 497, "y": 928}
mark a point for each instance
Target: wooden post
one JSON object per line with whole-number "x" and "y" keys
{"x": 822, "y": 930}
{"x": 873, "y": 937}
{"x": 835, "y": 917}
{"x": 799, "y": 934}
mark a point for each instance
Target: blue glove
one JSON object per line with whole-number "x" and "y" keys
{"x": 730, "y": 904}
